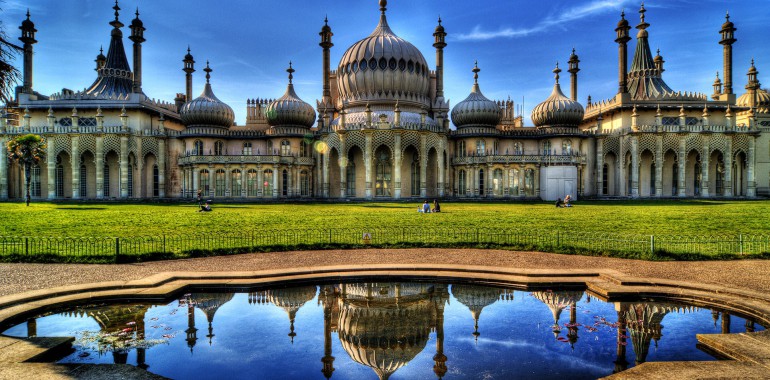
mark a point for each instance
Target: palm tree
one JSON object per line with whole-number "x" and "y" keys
{"x": 27, "y": 150}
{"x": 9, "y": 74}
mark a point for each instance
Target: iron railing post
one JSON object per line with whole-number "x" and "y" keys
{"x": 740, "y": 239}
{"x": 652, "y": 244}
{"x": 26, "y": 245}
{"x": 117, "y": 248}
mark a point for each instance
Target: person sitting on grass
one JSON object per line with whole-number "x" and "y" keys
{"x": 436, "y": 206}
{"x": 205, "y": 208}
{"x": 567, "y": 201}
{"x": 559, "y": 203}
{"x": 426, "y": 207}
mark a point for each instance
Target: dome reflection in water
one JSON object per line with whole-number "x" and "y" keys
{"x": 385, "y": 330}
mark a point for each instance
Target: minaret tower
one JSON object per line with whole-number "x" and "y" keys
{"x": 573, "y": 70}
{"x": 137, "y": 36}
{"x": 189, "y": 68}
{"x": 727, "y": 41}
{"x": 326, "y": 43}
{"x": 100, "y": 60}
{"x": 753, "y": 84}
{"x": 28, "y": 39}
{"x": 622, "y": 40}
{"x": 440, "y": 43}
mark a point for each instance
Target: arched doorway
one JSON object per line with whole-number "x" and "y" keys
{"x": 740, "y": 180}
{"x": 609, "y": 186}
{"x": 382, "y": 169}
{"x": 670, "y": 174}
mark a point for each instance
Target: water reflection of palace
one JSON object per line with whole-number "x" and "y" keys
{"x": 384, "y": 326}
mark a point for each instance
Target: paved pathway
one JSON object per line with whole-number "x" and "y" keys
{"x": 746, "y": 274}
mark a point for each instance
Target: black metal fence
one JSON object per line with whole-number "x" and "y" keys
{"x": 137, "y": 248}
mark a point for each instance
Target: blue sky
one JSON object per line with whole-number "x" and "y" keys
{"x": 517, "y": 43}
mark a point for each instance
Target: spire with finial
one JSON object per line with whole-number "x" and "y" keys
{"x": 116, "y": 23}
{"x": 208, "y": 71}
{"x": 475, "y": 71}
{"x": 556, "y": 71}
{"x": 383, "y": 6}
{"x": 290, "y": 70}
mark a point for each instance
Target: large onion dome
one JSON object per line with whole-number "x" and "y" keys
{"x": 476, "y": 298}
{"x": 291, "y": 300}
{"x": 476, "y": 109}
{"x": 382, "y": 68}
{"x": 289, "y": 109}
{"x": 761, "y": 103}
{"x": 558, "y": 110}
{"x": 207, "y": 110}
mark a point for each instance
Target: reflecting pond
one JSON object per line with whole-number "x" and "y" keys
{"x": 384, "y": 330}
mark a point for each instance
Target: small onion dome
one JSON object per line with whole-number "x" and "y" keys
{"x": 326, "y": 28}
{"x": 728, "y": 24}
{"x": 476, "y": 109}
{"x": 188, "y": 56}
{"x": 558, "y": 110}
{"x": 137, "y": 23}
{"x": 207, "y": 110}
{"x": 439, "y": 27}
{"x": 27, "y": 24}
{"x": 623, "y": 22}
{"x": 763, "y": 101}
{"x": 289, "y": 109}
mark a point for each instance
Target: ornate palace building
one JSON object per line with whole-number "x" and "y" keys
{"x": 382, "y": 129}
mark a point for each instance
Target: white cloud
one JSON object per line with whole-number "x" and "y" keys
{"x": 571, "y": 14}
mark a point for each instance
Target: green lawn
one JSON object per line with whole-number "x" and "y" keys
{"x": 627, "y": 218}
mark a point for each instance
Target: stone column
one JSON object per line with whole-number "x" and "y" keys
{"x": 728, "y": 179}
{"x": 139, "y": 178}
{"x": 506, "y": 181}
{"x": 161, "y": 168}
{"x": 50, "y": 166}
{"x": 276, "y": 174}
{"x": 659, "y": 166}
{"x": 75, "y": 165}
{"x": 368, "y": 164}
{"x": 325, "y": 175}
{"x": 704, "y": 183}
{"x": 751, "y": 191}
{"x": 488, "y": 182}
{"x": 260, "y": 181}
{"x": 397, "y": 165}
{"x": 635, "y": 167}
{"x": 228, "y": 182}
{"x": 522, "y": 191}
{"x": 99, "y": 167}
{"x": 441, "y": 170}
{"x": 124, "y": 167}
{"x": 4, "y": 169}
{"x": 243, "y": 181}
{"x": 537, "y": 181}
{"x": 343, "y": 163}
{"x": 196, "y": 181}
{"x": 682, "y": 160}
{"x": 599, "y": 167}
{"x": 423, "y": 165}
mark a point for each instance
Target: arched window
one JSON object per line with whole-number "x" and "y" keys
{"x": 83, "y": 181}
{"x": 497, "y": 182}
{"x": 235, "y": 183}
{"x": 270, "y": 151}
{"x": 675, "y": 179}
{"x": 652, "y": 179}
{"x": 219, "y": 148}
{"x": 267, "y": 185}
{"x": 304, "y": 183}
{"x": 303, "y": 149}
{"x": 350, "y": 176}
{"x": 518, "y": 148}
{"x": 382, "y": 166}
{"x": 566, "y": 147}
{"x": 198, "y": 148}
{"x": 285, "y": 181}
{"x": 106, "y": 182}
{"x": 415, "y": 175}
{"x": 629, "y": 182}
{"x": 513, "y": 182}
{"x": 605, "y": 179}
{"x": 698, "y": 176}
{"x": 461, "y": 179}
{"x": 720, "y": 173}
{"x": 59, "y": 180}
{"x": 529, "y": 182}
{"x": 252, "y": 184}
{"x": 495, "y": 147}
{"x": 35, "y": 181}
{"x": 155, "y": 181}
{"x": 461, "y": 148}
{"x": 204, "y": 182}
{"x": 130, "y": 176}
{"x": 219, "y": 184}
{"x": 247, "y": 149}
{"x": 480, "y": 148}
{"x": 546, "y": 148}
{"x": 481, "y": 182}
{"x": 285, "y": 148}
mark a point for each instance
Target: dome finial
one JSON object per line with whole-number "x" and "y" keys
{"x": 556, "y": 71}
{"x": 290, "y": 70}
{"x": 188, "y": 49}
{"x": 137, "y": 12}
{"x": 475, "y": 71}
{"x": 439, "y": 18}
{"x": 383, "y": 6}
{"x": 727, "y": 16}
{"x": 117, "y": 9}
{"x": 326, "y": 20}
{"x": 208, "y": 71}
{"x": 27, "y": 13}
{"x": 623, "y": 14}
{"x": 101, "y": 49}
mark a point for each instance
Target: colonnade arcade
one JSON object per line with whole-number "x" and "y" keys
{"x": 676, "y": 165}
{"x": 390, "y": 164}
{"x": 93, "y": 166}
{"x": 494, "y": 180}
{"x": 280, "y": 178}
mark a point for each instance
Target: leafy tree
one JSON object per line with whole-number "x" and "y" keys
{"x": 27, "y": 150}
